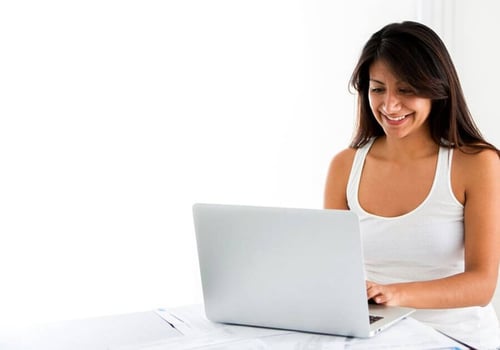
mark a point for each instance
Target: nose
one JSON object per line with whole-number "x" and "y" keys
{"x": 392, "y": 103}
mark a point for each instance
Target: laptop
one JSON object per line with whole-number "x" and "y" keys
{"x": 286, "y": 268}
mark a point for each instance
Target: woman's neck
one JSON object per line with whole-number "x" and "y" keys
{"x": 405, "y": 149}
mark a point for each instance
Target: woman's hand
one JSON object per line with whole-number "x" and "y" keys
{"x": 383, "y": 294}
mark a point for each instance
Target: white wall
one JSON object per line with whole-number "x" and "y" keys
{"x": 116, "y": 116}
{"x": 477, "y": 55}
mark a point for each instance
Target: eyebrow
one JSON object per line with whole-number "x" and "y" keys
{"x": 377, "y": 81}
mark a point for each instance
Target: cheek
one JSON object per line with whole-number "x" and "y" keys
{"x": 370, "y": 101}
{"x": 374, "y": 103}
{"x": 424, "y": 107}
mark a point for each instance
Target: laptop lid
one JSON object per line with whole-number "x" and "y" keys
{"x": 299, "y": 269}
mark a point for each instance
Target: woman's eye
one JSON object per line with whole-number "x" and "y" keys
{"x": 406, "y": 91}
{"x": 376, "y": 90}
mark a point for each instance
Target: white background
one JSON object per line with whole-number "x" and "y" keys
{"x": 117, "y": 116}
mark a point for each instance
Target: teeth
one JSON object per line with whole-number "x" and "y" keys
{"x": 397, "y": 118}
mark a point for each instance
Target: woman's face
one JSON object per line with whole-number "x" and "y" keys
{"x": 394, "y": 103}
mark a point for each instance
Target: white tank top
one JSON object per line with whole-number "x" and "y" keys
{"x": 424, "y": 244}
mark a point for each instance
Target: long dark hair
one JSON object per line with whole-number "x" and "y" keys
{"x": 417, "y": 56}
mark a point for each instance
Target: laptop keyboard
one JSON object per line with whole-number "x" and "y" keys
{"x": 375, "y": 318}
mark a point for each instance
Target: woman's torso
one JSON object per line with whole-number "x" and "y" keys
{"x": 418, "y": 237}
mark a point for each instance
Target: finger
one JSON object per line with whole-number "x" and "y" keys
{"x": 373, "y": 292}
{"x": 370, "y": 285}
{"x": 381, "y": 299}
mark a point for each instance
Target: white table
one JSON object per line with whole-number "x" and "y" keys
{"x": 186, "y": 327}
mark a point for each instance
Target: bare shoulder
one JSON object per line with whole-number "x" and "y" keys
{"x": 338, "y": 176}
{"x": 476, "y": 171}
{"x": 485, "y": 162}
{"x": 342, "y": 161}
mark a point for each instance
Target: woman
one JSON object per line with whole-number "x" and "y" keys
{"x": 425, "y": 185}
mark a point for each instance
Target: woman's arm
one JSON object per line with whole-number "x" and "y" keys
{"x": 476, "y": 182}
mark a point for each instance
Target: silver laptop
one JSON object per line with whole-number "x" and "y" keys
{"x": 297, "y": 269}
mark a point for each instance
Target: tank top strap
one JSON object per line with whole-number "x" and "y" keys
{"x": 355, "y": 175}
{"x": 442, "y": 183}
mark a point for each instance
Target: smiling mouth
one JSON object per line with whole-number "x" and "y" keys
{"x": 396, "y": 119}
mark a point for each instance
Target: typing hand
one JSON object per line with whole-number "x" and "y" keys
{"x": 382, "y": 294}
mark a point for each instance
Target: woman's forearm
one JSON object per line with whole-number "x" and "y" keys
{"x": 461, "y": 290}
